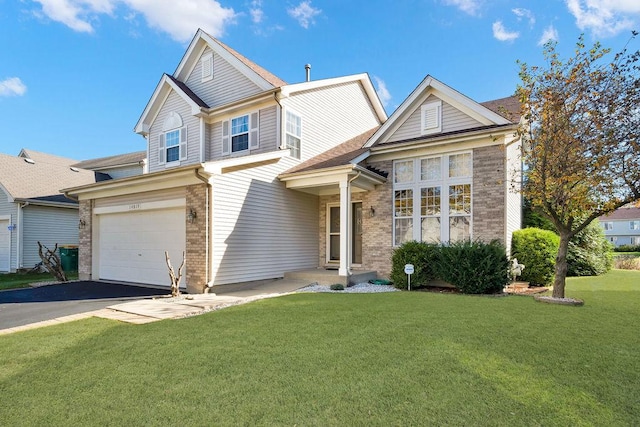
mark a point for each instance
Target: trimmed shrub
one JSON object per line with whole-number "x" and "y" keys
{"x": 537, "y": 250}
{"x": 627, "y": 248}
{"x": 589, "y": 252}
{"x": 422, "y": 255}
{"x": 337, "y": 287}
{"x": 474, "y": 267}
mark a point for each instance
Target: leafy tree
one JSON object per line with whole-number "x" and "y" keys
{"x": 580, "y": 139}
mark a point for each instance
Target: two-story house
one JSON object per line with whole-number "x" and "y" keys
{"x": 250, "y": 177}
{"x": 622, "y": 226}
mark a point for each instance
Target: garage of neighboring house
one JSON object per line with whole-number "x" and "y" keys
{"x": 5, "y": 243}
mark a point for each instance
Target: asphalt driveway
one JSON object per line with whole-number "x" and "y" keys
{"x": 24, "y": 306}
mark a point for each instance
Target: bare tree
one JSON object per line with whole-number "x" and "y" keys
{"x": 175, "y": 279}
{"x": 52, "y": 261}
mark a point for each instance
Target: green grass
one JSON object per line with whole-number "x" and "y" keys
{"x": 22, "y": 280}
{"x": 342, "y": 359}
{"x": 635, "y": 254}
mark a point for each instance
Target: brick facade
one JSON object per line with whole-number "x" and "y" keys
{"x": 488, "y": 193}
{"x": 85, "y": 234}
{"x": 196, "y": 242}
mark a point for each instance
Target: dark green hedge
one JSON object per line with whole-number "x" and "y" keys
{"x": 536, "y": 249}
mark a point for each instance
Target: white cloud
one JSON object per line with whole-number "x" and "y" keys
{"x": 304, "y": 13}
{"x": 467, "y": 6}
{"x": 502, "y": 34}
{"x": 257, "y": 14}
{"x": 178, "y": 18}
{"x": 526, "y": 14}
{"x": 12, "y": 86}
{"x": 383, "y": 92}
{"x": 549, "y": 34}
{"x": 605, "y": 17}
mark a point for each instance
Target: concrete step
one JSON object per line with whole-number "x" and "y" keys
{"x": 329, "y": 277}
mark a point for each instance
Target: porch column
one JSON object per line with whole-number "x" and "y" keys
{"x": 345, "y": 207}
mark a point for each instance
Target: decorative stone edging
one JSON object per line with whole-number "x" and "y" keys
{"x": 561, "y": 301}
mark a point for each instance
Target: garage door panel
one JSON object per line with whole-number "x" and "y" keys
{"x": 5, "y": 245}
{"x": 132, "y": 245}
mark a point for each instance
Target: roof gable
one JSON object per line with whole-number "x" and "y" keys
{"x": 468, "y": 112}
{"x": 45, "y": 157}
{"x": 112, "y": 161}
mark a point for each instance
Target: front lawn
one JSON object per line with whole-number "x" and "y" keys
{"x": 342, "y": 359}
{"x": 22, "y": 280}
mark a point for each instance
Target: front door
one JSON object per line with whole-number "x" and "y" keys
{"x": 333, "y": 234}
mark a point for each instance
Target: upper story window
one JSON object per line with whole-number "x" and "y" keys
{"x": 431, "y": 117}
{"x": 634, "y": 225}
{"x": 240, "y": 134}
{"x": 206, "y": 63}
{"x": 172, "y": 144}
{"x": 607, "y": 225}
{"x": 293, "y": 127}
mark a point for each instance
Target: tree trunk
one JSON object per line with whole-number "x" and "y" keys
{"x": 561, "y": 266}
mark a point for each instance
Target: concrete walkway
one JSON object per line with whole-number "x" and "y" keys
{"x": 151, "y": 310}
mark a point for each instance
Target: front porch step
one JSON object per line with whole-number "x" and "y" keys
{"x": 326, "y": 277}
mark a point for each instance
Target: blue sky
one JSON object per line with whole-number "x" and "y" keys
{"x": 75, "y": 75}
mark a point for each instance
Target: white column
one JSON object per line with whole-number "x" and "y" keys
{"x": 345, "y": 208}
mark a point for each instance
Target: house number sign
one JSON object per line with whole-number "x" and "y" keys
{"x": 134, "y": 206}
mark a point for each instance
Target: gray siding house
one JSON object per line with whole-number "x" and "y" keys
{"x": 622, "y": 227}
{"x": 252, "y": 178}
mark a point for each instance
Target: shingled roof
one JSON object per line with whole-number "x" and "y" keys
{"x": 508, "y": 107}
{"x": 340, "y": 155}
{"x": 625, "y": 213}
{"x": 112, "y": 161}
{"x": 41, "y": 178}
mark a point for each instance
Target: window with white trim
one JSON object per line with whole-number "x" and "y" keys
{"x": 431, "y": 117}
{"x": 634, "y": 225}
{"x": 172, "y": 141}
{"x": 635, "y": 240}
{"x": 206, "y": 65}
{"x": 293, "y": 133}
{"x": 435, "y": 197}
{"x": 607, "y": 225}
{"x": 240, "y": 133}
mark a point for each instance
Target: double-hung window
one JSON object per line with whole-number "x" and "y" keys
{"x": 240, "y": 134}
{"x": 172, "y": 144}
{"x": 607, "y": 225}
{"x": 434, "y": 193}
{"x": 634, "y": 225}
{"x": 172, "y": 141}
{"x": 293, "y": 127}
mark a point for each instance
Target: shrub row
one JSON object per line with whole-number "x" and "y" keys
{"x": 472, "y": 267}
{"x": 627, "y": 248}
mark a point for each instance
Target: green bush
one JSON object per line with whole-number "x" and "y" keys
{"x": 589, "y": 252}
{"x": 537, "y": 250}
{"x": 474, "y": 267}
{"x": 627, "y": 248}
{"x": 337, "y": 287}
{"x": 422, "y": 255}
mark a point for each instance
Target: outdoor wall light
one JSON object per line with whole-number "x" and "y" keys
{"x": 191, "y": 216}
{"x": 372, "y": 212}
{"x": 82, "y": 224}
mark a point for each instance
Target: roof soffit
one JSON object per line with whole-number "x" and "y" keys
{"x": 432, "y": 86}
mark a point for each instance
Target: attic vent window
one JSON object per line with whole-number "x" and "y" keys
{"x": 431, "y": 117}
{"x": 74, "y": 169}
{"x": 30, "y": 161}
{"x": 207, "y": 67}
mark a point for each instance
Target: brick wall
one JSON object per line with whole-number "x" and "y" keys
{"x": 85, "y": 240}
{"x": 196, "y": 244}
{"x": 489, "y": 193}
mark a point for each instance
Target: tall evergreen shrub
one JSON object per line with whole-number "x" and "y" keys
{"x": 422, "y": 255}
{"x": 536, "y": 249}
{"x": 589, "y": 252}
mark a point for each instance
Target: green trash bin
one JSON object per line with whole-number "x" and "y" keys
{"x": 69, "y": 258}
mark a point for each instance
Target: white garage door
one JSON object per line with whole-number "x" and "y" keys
{"x": 132, "y": 245}
{"x": 5, "y": 245}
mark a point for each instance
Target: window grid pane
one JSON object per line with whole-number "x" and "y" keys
{"x": 239, "y": 125}
{"x": 403, "y": 203}
{"x": 240, "y": 142}
{"x": 172, "y": 143}
{"x": 430, "y": 169}
{"x": 459, "y": 228}
{"x": 430, "y": 201}
{"x": 404, "y": 230}
{"x": 460, "y": 199}
{"x": 403, "y": 171}
{"x": 459, "y": 165}
{"x": 431, "y": 230}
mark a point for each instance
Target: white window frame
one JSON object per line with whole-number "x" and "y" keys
{"x": 206, "y": 66}
{"x": 444, "y": 182}
{"x": 296, "y": 134}
{"x": 607, "y": 225}
{"x": 431, "y": 117}
{"x": 634, "y": 225}
{"x": 253, "y": 119}
{"x": 172, "y": 123}
{"x": 635, "y": 240}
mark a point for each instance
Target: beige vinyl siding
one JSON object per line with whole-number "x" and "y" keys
{"x": 10, "y": 209}
{"x": 268, "y": 136}
{"x": 175, "y": 103}
{"x": 123, "y": 172}
{"x": 150, "y": 196}
{"x": 48, "y": 225}
{"x": 227, "y": 85}
{"x": 513, "y": 197}
{"x": 452, "y": 120}
{"x": 261, "y": 229}
{"x": 331, "y": 116}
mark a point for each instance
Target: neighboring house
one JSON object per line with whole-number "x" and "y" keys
{"x": 32, "y": 208}
{"x": 118, "y": 166}
{"x": 622, "y": 226}
{"x": 251, "y": 177}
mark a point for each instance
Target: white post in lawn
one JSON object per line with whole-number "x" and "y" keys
{"x": 345, "y": 204}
